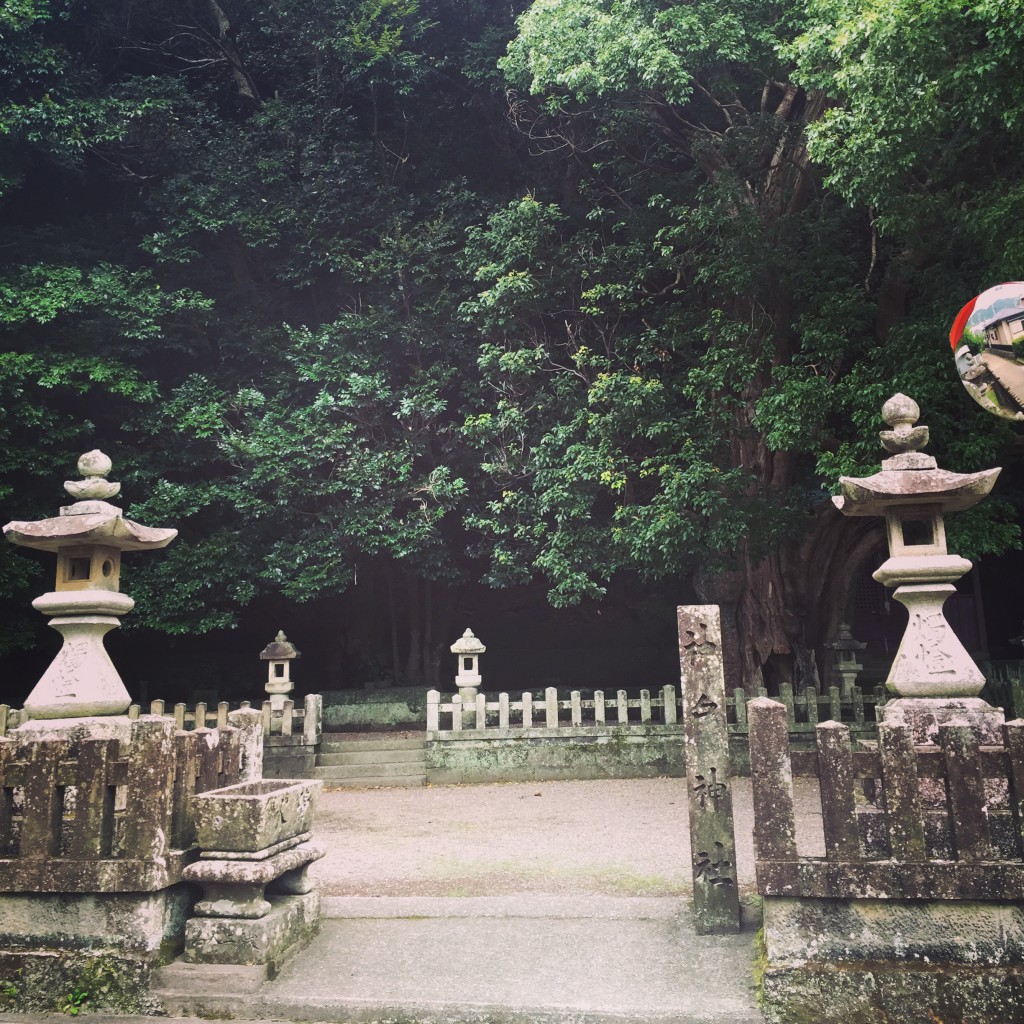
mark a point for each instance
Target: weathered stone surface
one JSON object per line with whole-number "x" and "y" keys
{"x": 955, "y": 931}
{"x": 892, "y": 993}
{"x": 931, "y": 660}
{"x": 288, "y": 757}
{"x": 838, "y": 961}
{"x": 712, "y": 839}
{"x": 251, "y": 816}
{"x": 81, "y": 680}
{"x": 292, "y": 920}
{"x": 888, "y": 879}
{"x": 112, "y": 983}
{"x": 73, "y": 730}
{"x": 924, "y": 715}
{"x": 371, "y": 709}
{"x": 270, "y": 851}
{"x": 253, "y": 872}
{"x": 584, "y": 752}
{"x": 129, "y": 922}
{"x": 249, "y": 724}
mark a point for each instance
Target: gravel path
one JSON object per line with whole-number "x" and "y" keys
{"x": 617, "y": 837}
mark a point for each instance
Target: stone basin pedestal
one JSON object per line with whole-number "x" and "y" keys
{"x": 258, "y": 903}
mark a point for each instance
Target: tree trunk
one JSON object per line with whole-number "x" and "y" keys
{"x": 414, "y": 661}
{"x": 777, "y": 613}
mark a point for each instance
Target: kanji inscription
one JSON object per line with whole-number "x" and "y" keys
{"x": 715, "y": 896}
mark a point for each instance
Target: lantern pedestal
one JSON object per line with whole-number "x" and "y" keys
{"x": 81, "y": 680}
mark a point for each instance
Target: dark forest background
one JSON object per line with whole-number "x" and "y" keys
{"x": 418, "y": 314}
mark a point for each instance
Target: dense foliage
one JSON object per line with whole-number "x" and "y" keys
{"x": 415, "y": 289}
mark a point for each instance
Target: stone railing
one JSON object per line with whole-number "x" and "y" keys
{"x": 913, "y": 904}
{"x": 90, "y": 818}
{"x": 554, "y": 738}
{"x": 803, "y": 710}
{"x": 287, "y": 721}
{"x": 858, "y": 709}
{"x": 941, "y": 822}
{"x": 551, "y": 713}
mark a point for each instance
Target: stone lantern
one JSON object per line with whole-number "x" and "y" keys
{"x": 914, "y": 495}
{"x": 279, "y": 655}
{"x": 846, "y": 664}
{"x": 468, "y": 650}
{"x": 88, "y": 538}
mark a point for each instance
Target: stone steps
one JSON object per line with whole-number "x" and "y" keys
{"x": 371, "y": 763}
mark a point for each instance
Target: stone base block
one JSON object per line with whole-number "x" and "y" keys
{"x": 136, "y": 923}
{"x": 924, "y": 715}
{"x": 539, "y": 754}
{"x": 893, "y": 993}
{"x": 291, "y": 923}
{"x": 929, "y": 931}
{"x": 73, "y": 981}
{"x": 899, "y": 961}
{"x": 291, "y": 762}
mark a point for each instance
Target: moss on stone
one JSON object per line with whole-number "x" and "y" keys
{"x": 48, "y": 981}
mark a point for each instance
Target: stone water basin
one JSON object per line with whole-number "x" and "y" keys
{"x": 252, "y": 816}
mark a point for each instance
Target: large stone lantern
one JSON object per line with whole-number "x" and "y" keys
{"x": 88, "y": 538}
{"x": 914, "y": 495}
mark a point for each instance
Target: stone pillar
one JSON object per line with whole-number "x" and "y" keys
{"x": 712, "y": 839}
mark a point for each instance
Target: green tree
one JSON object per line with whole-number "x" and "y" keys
{"x": 687, "y": 329}
{"x": 249, "y": 274}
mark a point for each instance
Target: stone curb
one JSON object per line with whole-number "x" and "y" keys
{"x": 640, "y": 908}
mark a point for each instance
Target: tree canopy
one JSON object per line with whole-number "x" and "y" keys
{"x": 444, "y": 291}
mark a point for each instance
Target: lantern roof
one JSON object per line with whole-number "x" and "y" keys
{"x": 91, "y": 519}
{"x": 281, "y": 649}
{"x": 910, "y": 477}
{"x": 468, "y": 644}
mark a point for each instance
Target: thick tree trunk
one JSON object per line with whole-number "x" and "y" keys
{"x": 429, "y": 607}
{"x": 779, "y": 611}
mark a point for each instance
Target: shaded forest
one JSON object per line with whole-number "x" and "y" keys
{"x": 419, "y": 314}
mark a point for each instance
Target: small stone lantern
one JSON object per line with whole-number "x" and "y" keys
{"x": 279, "y": 655}
{"x": 88, "y": 538}
{"x": 468, "y": 650}
{"x": 932, "y": 675}
{"x": 846, "y": 665}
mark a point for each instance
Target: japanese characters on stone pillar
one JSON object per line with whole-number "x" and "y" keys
{"x": 712, "y": 839}
{"x": 88, "y": 538}
{"x": 933, "y": 676}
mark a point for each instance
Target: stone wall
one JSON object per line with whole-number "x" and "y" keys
{"x": 400, "y": 707}
{"x": 915, "y": 911}
{"x": 583, "y": 752}
{"x": 96, "y": 831}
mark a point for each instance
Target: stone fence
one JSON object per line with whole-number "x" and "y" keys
{"x": 103, "y": 821}
{"x": 291, "y": 735}
{"x": 557, "y": 736}
{"x": 922, "y": 842}
{"x": 548, "y": 714}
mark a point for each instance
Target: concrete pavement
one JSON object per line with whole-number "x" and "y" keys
{"x": 501, "y": 905}
{"x": 501, "y": 960}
